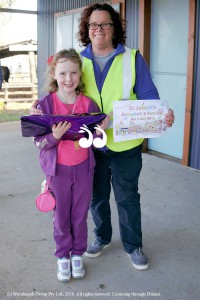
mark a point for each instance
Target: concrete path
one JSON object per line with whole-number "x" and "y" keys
{"x": 170, "y": 200}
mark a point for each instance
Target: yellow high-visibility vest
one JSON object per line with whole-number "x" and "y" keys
{"x": 118, "y": 85}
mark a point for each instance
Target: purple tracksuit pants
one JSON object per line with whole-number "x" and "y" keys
{"x": 72, "y": 188}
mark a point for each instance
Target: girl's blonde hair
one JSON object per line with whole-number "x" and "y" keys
{"x": 72, "y": 55}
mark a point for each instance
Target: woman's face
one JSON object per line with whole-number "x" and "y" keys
{"x": 101, "y": 39}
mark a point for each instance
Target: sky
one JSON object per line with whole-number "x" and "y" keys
{"x": 25, "y": 4}
{"x": 16, "y": 28}
{"x": 19, "y": 27}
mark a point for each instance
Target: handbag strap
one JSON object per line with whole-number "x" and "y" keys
{"x": 46, "y": 187}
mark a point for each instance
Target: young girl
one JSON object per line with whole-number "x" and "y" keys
{"x": 68, "y": 167}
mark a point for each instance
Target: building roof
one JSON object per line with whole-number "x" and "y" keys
{"x": 23, "y": 47}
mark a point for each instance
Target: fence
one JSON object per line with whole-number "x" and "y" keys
{"x": 18, "y": 92}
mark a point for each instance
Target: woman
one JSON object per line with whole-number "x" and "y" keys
{"x": 113, "y": 72}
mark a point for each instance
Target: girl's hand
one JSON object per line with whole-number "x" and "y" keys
{"x": 169, "y": 118}
{"x": 34, "y": 110}
{"x": 104, "y": 124}
{"x": 59, "y": 129}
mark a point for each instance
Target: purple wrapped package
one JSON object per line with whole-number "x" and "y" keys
{"x": 36, "y": 125}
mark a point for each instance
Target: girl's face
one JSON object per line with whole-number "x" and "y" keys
{"x": 67, "y": 74}
{"x": 101, "y": 39}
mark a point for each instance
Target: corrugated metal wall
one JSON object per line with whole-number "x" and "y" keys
{"x": 132, "y": 17}
{"x": 195, "y": 141}
{"x": 46, "y": 11}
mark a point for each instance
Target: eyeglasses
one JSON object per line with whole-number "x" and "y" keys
{"x": 95, "y": 26}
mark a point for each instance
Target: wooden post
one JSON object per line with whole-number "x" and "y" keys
{"x": 6, "y": 87}
{"x": 144, "y": 39}
{"x": 189, "y": 85}
{"x": 32, "y": 72}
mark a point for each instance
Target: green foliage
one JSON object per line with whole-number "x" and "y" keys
{"x": 6, "y": 3}
{"x": 11, "y": 115}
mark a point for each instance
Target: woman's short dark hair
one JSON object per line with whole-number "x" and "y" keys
{"x": 119, "y": 24}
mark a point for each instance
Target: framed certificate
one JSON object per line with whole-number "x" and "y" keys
{"x": 133, "y": 119}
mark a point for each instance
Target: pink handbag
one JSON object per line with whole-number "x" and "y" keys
{"x": 45, "y": 201}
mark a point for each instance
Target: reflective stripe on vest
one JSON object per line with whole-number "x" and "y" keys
{"x": 127, "y": 73}
{"x": 127, "y": 77}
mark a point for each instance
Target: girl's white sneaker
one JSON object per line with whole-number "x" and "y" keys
{"x": 78, "y": 270}
{"x": 63, "y": 269}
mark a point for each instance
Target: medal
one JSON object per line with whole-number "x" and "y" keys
{"x": 76, "y": 145}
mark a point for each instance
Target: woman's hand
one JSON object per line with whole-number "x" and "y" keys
{"x": 59, "y": 129}
{"x": 169, "y": 118}
{"x": 34, "y": 110}
{"x": 104, "y": 124}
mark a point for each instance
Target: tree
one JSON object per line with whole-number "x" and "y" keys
{"x": 6, "y": 3}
